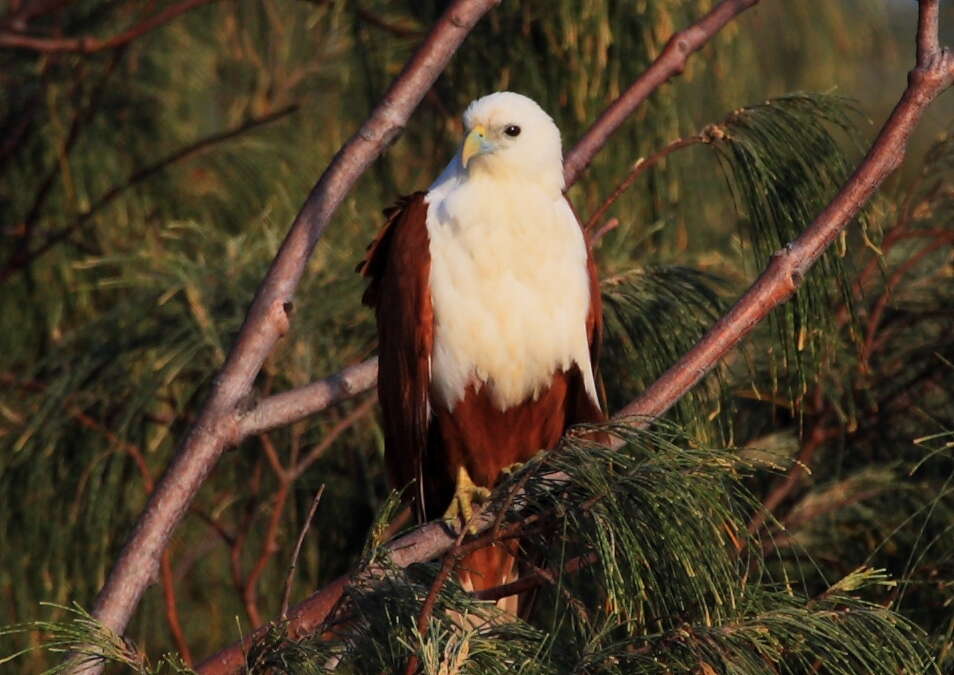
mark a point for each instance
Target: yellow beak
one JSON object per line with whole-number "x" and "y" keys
{"x": 475, "y": 144}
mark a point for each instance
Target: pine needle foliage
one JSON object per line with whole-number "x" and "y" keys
{"x": 111, "y": 337}
{"x": 85, "y": 641}
{"x": 676, "y": 585}
{"x": 651, "y": 317}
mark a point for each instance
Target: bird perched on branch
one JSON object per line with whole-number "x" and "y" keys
{"x": 488, "y": 312}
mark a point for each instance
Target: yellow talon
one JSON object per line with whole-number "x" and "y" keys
{"x": 513, "y": 468}
{"x": 466, "y": 494}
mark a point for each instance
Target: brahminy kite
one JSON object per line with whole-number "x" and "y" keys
{"x": 488, "y": 313}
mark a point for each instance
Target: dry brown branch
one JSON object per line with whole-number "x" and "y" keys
{"x": 397, "y": 30}
{"x": 267, "y": 320}
{"x": 316, "y": 452}
{"x": 451, "y": 558}
{"x": 535, "y": 578}
{"x": 81, "y": 117}
{"x": 172, "y": 610}
{"x": 269, "y": 549}
{"x": 635, "y": 171}
{"x": 878, "y": 311}
{"x": 88, "y": 45}
{"x": 594, "y": 239}
{"x": 294, "y": 559}
{"x": 801, "y": 467}
{"x": 933, "y": 73}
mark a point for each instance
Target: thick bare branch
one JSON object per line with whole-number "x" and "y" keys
{"x": 776, "y": 284}
{"x": 290, "y": 406}
{"x": 267, "y": 319}
{"x": 928, "y": 42}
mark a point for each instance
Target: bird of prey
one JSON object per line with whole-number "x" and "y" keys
{"x": 488, "y": 313}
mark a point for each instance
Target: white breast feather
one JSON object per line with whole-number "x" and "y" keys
{"x": 510, "y": 290}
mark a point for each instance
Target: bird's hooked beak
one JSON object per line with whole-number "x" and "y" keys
{"x": 475, "y": 144}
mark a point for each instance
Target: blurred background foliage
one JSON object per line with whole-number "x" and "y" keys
{"x": 144, "y": 190}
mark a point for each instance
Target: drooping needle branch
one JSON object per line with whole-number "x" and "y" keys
{"x": 932, "y": 74}
{"x": 267, "y": 320}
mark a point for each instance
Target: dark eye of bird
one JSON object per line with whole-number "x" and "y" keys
{"x": 512, "y": 130}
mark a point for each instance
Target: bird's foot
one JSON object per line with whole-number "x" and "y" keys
{"x": 513, "y": 468}
{"x": 466, "y": 495}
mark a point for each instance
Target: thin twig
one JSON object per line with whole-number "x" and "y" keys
{"x": 777, "y": 495}
{"x": 451, "y": 560}
{"x": 878, "y": 311}
{"x": 89, "y": 45}
{"x": 608, "y": 227}
{"x": 370, "y": 17}
{"x": 535, "y": 579}
{"x": 316, "y": 452}
{"x": 427, "y": 608}
{"x": 25, "y": 258}
{"x": 294, "y": 559}
{"x": 172, "y": 611}
{"x": 638, "y": 167}
{"x": 81, "y": 117}
{"x": 269, "y": 549}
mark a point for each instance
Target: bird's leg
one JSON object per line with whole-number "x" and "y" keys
{"x": 466, "y": 494}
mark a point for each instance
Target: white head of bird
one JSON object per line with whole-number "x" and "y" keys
{"x": 509, "y": 136}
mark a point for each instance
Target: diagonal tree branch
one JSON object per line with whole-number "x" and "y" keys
{"x": 933, "y": 74}
{"x": 267, "y": 320}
